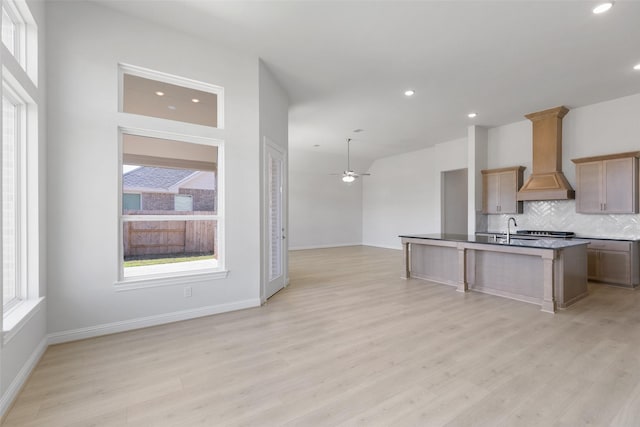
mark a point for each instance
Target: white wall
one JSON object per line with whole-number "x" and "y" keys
{"x": 402, "y": 195}
{"x": 19, "y": 354}
{"x": 603, "y": 128}
{"x": 323, "y": 210}
{"x": 86, "y": 43}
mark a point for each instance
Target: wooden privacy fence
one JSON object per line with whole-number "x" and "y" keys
{"x": 169, "y": 237}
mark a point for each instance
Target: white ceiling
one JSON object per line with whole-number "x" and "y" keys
{"x": 346, "y": 64}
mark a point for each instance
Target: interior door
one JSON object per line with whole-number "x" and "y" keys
{"x": 274, "y": 170}
{"x": 454, "y": 202}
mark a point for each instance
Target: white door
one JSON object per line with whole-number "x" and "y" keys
{"x": 275, "y": 225}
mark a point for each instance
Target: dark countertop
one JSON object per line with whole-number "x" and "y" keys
{"x": 515, "y": 241}
{"x": 578, "y": 236}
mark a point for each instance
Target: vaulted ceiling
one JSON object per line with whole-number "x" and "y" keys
{"x": 346, "y": 64}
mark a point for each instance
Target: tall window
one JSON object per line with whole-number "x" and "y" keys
{"x": 171, "y": 221}
{"x": 19, "y": 155}
{"x": 10, "y": 202}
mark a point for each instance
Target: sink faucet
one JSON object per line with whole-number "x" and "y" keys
{"x": 515, "y": 224}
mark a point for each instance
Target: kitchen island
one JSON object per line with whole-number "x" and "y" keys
{"x": 548, "y": 272}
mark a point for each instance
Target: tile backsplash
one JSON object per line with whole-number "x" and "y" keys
{"x": 561, "y": 215}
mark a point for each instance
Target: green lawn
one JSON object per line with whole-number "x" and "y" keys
{"x": 154, "y": 261}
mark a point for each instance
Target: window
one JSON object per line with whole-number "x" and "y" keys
{"x": 171, "y": 224}
{"x": 171, "y": 218}
{"x": 166, "y": 97}
{"x": 184, "y": 202}
{"x": 9, "y": 30}
{"x": 131, "y": 202}
{"x": 20, "y": 211}
{"x": 20, "y": 35}
{"x": 11, "y": 280}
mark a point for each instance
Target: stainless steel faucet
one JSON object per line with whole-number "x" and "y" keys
{"x": 515, "y": 224}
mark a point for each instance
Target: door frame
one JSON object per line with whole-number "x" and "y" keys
{"x": 267, "y": 145}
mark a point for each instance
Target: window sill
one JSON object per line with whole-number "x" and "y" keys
{"x": 19, "y": 315}
{"x": 166, "y": 280}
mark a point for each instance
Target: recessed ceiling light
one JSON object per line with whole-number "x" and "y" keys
{"x": 160, "y": 93}
{"x": 636, "y": 67}
{"x": 195, "y": 100}
{"x": 171, "y": 107}
{"x": 602, "y": 7}
{"x": 472, "y": 115}
{"x": 409, "y": 92}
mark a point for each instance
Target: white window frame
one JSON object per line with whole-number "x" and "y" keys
{"x": 155, "y": 127}
{"x": 25, "y": 37}
{"x": 19, "y": 82}
{"x": 178, "y": 277}
{"x": 20, "y": 201}
{"x": 175, "y": 80}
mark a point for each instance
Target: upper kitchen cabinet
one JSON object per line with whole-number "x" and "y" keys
{"x": 607, "y": 184}
{"x": 499, "y": 190}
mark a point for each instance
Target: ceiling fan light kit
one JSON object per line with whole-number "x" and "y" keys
{"x": 348, "y": 176}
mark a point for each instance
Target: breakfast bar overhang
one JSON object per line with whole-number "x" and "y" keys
{"x": 550, "y": 273}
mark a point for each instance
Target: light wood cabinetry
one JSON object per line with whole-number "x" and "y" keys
{"x": 607, "y": 184}
{"x": 614, "y": 262}
{"x": 499, "y": 190}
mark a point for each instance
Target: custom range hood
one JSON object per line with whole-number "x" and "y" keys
{"x": 546, "y": 181}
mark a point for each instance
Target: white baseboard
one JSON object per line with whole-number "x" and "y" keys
{"x": 337, "y": 245}
{"x": 399, "y": 247}
{"x": 18, "y": 382}
{"x": 145, "y": 322}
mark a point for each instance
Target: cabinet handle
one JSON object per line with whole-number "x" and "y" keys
{"x": 604, "y": 206}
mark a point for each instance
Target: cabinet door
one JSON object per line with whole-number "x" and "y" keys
{"x": 589, "y": 187}
{"x": 508, "y": 190}
{"x": 619, "y": 186}
{"x": 614, "y": 267}
{"x": 592, "y": 264}
{"x": 490, "y": 193}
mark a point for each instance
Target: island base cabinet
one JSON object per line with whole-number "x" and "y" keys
{"x": 613, "y": 262}
{"x": 519, "y": 277}
{"x": 548, "y": 278}
{"x": 435, "y": 263}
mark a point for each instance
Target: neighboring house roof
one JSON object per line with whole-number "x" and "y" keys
{"x": 154, "y": 178}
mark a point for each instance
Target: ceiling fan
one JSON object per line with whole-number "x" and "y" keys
{"x": 349, "y": 175}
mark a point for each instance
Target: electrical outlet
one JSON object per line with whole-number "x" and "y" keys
{"x": 187, "y": 292}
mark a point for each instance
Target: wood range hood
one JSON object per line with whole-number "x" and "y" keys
{"x": 547, "y": 182}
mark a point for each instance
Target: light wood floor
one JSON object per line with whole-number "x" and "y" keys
{"x": 349, "y": 343}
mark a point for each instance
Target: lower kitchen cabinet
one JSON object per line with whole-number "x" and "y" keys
{"x": 614, "y": 261}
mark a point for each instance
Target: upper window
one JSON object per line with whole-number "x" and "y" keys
{"x": 20, "y": 35}
{"x": 9, "y": 30}
{"x": 187, "y": 101}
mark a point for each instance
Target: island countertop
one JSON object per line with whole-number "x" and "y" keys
{"x": 515, "y": 241}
